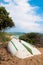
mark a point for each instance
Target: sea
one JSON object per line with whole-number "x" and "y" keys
{"x": 16, "y": 34}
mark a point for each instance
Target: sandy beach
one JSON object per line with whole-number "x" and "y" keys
{"x": 7, "y": 59}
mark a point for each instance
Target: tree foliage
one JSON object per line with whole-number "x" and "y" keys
{"x": 5, "y": 20}
{"x": 33, "y": 38}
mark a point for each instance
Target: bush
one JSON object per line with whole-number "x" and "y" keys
{"x": 32, "y": 38}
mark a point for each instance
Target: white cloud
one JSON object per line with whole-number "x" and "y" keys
{"x": 24, "y": 15}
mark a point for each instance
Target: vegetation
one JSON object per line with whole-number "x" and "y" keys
{"x": 5, "y": 20}
{"x": 4, "y": 37}
{"x": 33, "y": 38}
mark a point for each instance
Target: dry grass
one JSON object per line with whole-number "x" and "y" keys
{"x": 4, "y": 38}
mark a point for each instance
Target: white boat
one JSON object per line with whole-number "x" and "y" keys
{"x": 22, "y": 49}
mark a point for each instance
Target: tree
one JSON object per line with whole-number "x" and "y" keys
{"x": 5, "y": 20}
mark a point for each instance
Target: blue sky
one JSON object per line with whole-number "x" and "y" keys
{"x": 2, "y": 1}
{"x": 27, "y": 14}
{"x": 37, "y": 3}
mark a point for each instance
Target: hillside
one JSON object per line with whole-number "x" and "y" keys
{"x": 7, "y": 59}
{"x": 33, "y": 38}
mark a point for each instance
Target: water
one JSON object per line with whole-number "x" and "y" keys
{"x": 16, "y": 34}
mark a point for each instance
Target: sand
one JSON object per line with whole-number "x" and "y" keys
{"x": 7, "y": 59}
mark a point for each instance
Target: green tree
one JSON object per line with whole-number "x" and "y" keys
{"x": 5, "y": 20}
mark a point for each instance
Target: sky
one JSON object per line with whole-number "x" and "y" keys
{"x": 26, "y": 14}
